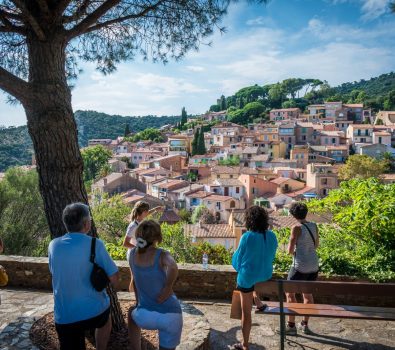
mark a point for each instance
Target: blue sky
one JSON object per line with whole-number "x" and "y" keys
{"x": 333, "y": 40}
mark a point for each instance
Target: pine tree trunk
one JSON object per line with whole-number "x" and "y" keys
{"x": 53, "y": 130}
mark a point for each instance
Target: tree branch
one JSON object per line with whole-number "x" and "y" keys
{"x": 92, "y": 18}
{"x": 13, "y": 85}
{"x": 33, "y": 22}
{"x": 44, "y": 7}
{"x": 124, "y": 18}
{"x": 62, "y": 5}
{"x": 9, "y": 27}
{"x": 81, "y": 10}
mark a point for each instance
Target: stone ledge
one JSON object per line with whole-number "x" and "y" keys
{"x": 193, "y": 283}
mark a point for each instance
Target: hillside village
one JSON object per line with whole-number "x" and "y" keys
{"x": 294, "y": 156}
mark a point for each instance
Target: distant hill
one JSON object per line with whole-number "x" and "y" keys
{"x": 373, "y": 87}
{"x": 16, "y": 146}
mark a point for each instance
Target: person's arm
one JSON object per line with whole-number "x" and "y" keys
{"x": 238, "y": 254}
{"x": 295, "y": 233}
{"x": 156, "y": 209}
{"x": 114, "y": 279}
{"x": 104, "y": 260}
{"x": 170, "y": 266}
{"x": 129, "y": 234}
{"x": 126, "y": 242}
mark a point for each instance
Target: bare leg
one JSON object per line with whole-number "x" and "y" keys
{"x": 102, "y": 335}
{"x": 134, "y": 332}
{"x": 257, "y": 301}
{"x": 307, "y": 299}
{"x": 246, "y": 320}
{"x": 291, "y": 298}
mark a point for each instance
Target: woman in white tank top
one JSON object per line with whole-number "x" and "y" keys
{"x": 303, "y": 246}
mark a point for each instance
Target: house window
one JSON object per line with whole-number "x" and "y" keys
{"x": 218, "y": 176}
{"x": 324, "y": 181}
{"x": 333, "y": 140}
{"x": 380, "y": 139}
{"x": 231, "y": 176}
{"x": 237, "y": 189}
{"x": 366, "y": 132}
{"x": 218, "y": 205}
{"x": 253, "y": 190}
{"x": 232, "y": 204}
{"x": 304, "y": 137}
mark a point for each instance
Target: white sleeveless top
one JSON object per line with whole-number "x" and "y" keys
{"x": 305, "y": 258}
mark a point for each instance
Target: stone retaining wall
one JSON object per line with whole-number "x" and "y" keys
{"x": 193, "y": 282}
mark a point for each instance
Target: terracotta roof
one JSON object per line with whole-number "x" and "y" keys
{"x": 209, "y": 231}
{"x": 300, "y": 192}
{"x": 110, "y": 178}
{"x": 171, "y": 183}
{"x": 199, "y": 194}
{"x": 382, "y": 133}
{"x": 218, "y": 198}
{"x": 228, "y": 182}
{"x": 280, "y": 180}
{"x": 169, "y": 216}
{"x": 224, "y": 169}
{"x": 250, "y": 150}
{"x": 239, "y": 217}
{"x": 260, "y": 158}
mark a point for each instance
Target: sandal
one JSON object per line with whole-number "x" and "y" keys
{"x": 261, "y": 309}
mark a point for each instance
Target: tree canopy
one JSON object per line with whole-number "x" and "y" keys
{"x": 362, "y": 167}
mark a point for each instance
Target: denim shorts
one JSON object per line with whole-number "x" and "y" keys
{"x": 169, "y": 325}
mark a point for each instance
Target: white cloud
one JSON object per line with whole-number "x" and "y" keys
{"x": 258, "y": 21}
{"x": 195, "y": 68}
{"x": 372, "y": 9}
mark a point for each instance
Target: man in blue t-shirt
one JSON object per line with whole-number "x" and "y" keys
{"x": 78, "y": 306}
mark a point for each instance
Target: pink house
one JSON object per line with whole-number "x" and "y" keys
{"x": 140, "y": 155}
{"x": 256, "y": 187}
{"x": 284, "y": 114}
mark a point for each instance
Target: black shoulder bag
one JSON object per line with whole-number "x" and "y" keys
{"x": 311, "y": 234}
{"x": 99, "y": 278}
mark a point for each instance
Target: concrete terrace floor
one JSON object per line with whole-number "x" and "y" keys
{"x": 19, "y": 306}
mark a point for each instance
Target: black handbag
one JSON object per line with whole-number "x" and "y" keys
{"x": 99, "y": 278}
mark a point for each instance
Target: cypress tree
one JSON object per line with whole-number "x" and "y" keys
{"x": 201, "y": 148}
{"x": 127, "y": 129}
{"x": 184, "y": 116}
{"x": 195, "y": 143}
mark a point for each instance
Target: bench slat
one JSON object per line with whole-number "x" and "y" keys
{"x": 362, "y": 315}
{"x": 319, "y": 310}
{"x": 329, "y": 288}
{"x": 333, "y": 307}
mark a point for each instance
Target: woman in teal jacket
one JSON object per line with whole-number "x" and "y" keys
{"x": 253, "y": 261}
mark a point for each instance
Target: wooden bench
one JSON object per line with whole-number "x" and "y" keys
{"x": 281, "y": 308}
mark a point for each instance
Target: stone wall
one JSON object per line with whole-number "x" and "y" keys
{"x": 193, "y": 282}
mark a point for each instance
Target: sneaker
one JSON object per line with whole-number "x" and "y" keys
{"x": 304, "y": 328}
{"x": 290, "y": 330}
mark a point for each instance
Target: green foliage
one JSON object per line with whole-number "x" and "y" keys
{"x": 181, "y": 248}
{"x": 185, "y": 215}
{"x": 247, "y": 114}
{"x": 178, "y": 244}
{"x": 23, "y": 225}
{"x": 363, "y": 167}
{"x": 201, "y": 148}
{"x": 127, "y": 130}
{"x": 95, "y": 159}
{"x": 110, "y": 218}
{"x": 217, "y": 254}
{"x": 214, "y": 108}
{"x": 230, "y": 161}
{"x": 184, "y": 116}
{"x": 116, "y": 250}
{"x": 147, "y": 134}
{"x": 197, "y": 213}
{"x": 15, "y": 147}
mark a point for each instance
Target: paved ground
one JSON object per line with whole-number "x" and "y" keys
{"x": 19, "y": 308}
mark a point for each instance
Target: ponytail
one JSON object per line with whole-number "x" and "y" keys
{"x": 139, "y": 208}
